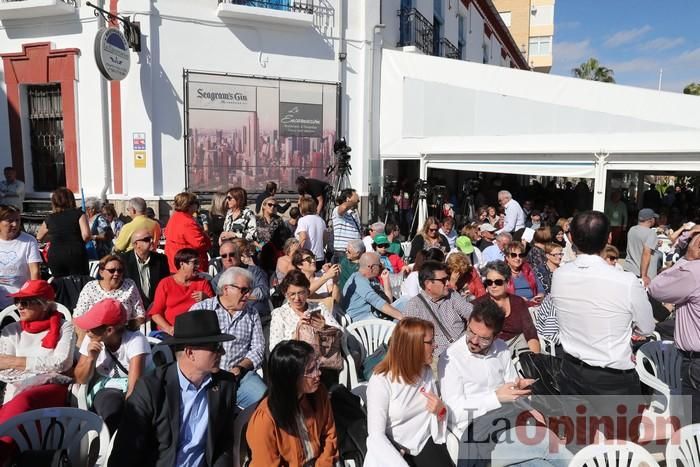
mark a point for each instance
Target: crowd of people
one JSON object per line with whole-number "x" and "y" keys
{"x": 264, "y": 331}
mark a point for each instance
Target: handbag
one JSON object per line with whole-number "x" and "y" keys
{"x": 373, "y": 360}
{"x": 326, "y": 343}
{"x": 46, "y": 457}
{"x": 120, "y": 383}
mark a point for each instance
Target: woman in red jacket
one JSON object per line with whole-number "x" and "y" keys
{"x": 183, "y": 231}
{"x": 523, "y": 281}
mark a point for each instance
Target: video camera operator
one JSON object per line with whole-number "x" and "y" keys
{"x": 317, "y": 189}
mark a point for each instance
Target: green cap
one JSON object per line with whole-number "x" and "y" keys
{"x": 465, "y": 245}
{"x": 380, "y": 238}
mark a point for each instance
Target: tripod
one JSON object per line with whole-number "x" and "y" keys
{"x": 420, "y": 214}
{"x": 341, "y": 181}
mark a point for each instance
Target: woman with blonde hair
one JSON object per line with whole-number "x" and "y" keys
{"x": 240, "y": 221}
{"x": 406, "y": 420}
{"x": 429, "y": 237}
{"x": 284, "y": 262}
{"x": 311, "y": 229}
{"x": 271, "y": 234}
{"x": 183, "y": 231}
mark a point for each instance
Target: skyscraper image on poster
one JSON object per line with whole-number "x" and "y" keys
{"x": 246, "y": 131}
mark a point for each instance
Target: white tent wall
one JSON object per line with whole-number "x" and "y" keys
{"x": 465, "y": 116}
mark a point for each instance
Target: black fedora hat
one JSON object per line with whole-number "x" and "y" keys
{"x": 197, "y": 327}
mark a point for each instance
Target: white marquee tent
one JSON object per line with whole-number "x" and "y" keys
{"x": 457, "y": 115}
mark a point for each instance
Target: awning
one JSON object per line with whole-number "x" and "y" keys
{"x": 524, "y": 167}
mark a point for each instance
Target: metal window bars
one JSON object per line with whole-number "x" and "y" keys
{"x": 300, "y": 6}
{"x": 415, "y": 30}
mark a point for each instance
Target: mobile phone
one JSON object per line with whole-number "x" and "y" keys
{"x": 533, "y": 382}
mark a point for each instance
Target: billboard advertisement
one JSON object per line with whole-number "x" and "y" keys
{"x": 246, "y": 131}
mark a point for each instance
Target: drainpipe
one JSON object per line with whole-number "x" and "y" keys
{"x": 106, "y": 131}
{"x": 342, "y": 56}
{"x": 371, "y": 101}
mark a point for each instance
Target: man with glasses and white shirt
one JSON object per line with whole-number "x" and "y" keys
{"x": 243, "y": 355}
{"x": 361, "y": 293}
{"x": 477, "y": 377}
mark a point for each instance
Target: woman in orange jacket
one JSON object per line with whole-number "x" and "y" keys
{"x": 183, "y": 231}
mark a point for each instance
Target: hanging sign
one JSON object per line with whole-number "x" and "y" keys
{"x": 112, "y": 54}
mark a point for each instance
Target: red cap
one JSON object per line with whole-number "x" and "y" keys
{"x": 35, "y": 288}
{"x": 107, "y": 312}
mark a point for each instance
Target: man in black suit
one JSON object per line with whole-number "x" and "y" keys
{"x": 183, "y": 413}
{"x": 145, "y": 267}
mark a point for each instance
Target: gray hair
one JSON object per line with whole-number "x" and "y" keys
{"x": 93, "y": 203}
{"x": 357, "y": 245}
{"x": 504, "y": 235}
{"x": 378, "y": 227}
{"x": 229, "y": 276}
{"x": 138, "y": 205}
{"x": 505, "y": 193}
{"x": 499, "y": 267}
{"x": 368, "y": 258}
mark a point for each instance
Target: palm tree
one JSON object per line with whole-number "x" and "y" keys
{"x": 593, "y": 70}
{"x": 692, "y": 88}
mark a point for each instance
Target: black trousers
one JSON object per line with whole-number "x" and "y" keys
{"x": 109, "y": 404}
{"x": 432, "y": 455}
{"x": 690, "y": 383}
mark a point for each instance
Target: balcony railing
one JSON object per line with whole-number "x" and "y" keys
{"x": 298, "y": 6}
{"x": 415, "y": 30}
{"x": 449, "y": 50}
{"x": 69, "y": 2}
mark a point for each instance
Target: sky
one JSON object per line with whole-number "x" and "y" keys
{"x": 635, "y": 38}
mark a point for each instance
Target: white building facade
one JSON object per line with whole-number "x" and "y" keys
{"x": 62, "y": 123}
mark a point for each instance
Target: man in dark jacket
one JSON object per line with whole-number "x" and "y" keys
{"x": 145, "y": 267}
{"x": 183, "y": 413}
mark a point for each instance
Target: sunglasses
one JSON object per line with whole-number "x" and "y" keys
{"x": 441, "y": 279}
{"x": 309, "y": 260}
{"x": 382, "y": 245}
{"x": 144, "y": 239}
{"x": 517, "y": 255}
{"x": 227, "y": 255}
{"x": 271, "y": 205}
{"x": 612, "y": 258}
{"x": 490, "y": 282}
{"x": 244, "y": 290}
{"x": 433, "y": 230}
{"x": 113, "y": 270}
{"x": 25, "y": 302}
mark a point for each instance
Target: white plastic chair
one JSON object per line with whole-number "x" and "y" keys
{"x": 665, "y": 376}
{"x": 613, "y": 453}
{"x": 94, "y": 266}
{"x": 29, "y": 429}
{"x": 371, "y": 333}
{"x": 78, "y": 395}
{"x": 214, "y": 266}
{"x": 683, "y": 449}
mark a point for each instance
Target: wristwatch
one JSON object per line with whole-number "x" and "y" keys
{"x": 242, "y": 370}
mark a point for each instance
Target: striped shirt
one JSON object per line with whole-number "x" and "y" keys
{"x": 452, "y": 310}
{"x": 345, "y": 228}
{"x": 546, "y": 320}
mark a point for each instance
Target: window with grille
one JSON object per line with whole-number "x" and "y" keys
{"x": 46, "y": 134}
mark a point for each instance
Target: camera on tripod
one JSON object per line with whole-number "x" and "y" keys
{"x": 422, "y": 188}
{"x": 342, "y": 155}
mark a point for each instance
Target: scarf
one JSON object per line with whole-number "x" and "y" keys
{"x": 52, "y": 323}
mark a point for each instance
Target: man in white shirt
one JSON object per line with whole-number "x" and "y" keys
{"x": 495, "y": 251}
{"x": 597, "y": 308}
{"x": 374, "y": 230}
{"x": 477, "y": 377}
{"x": 11, "y": 189}
{"x": 515, "y": 217}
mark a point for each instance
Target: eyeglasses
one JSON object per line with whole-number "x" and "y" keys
{"x": 482, "y": 340}
{"x": 440, "y": 279}
{"x": 144, "y": 239}
{"x": 315, "y": 370}
{"x": 227, "y": 255}
{"x": 490, "y": 282}
{"x": 612, "y": 258}
{"x": 309, "y": 260}
{"x": 562, "y": 254}
{"x": 114, "y": 270}
{"x": 244, "y": 290}
{"x": 517, "y": 255}
{"x": 382, "y": 245}
{"x": 431, "y": 342}
{"x": 301, "y": 294}
{"x": 25, "y": 302}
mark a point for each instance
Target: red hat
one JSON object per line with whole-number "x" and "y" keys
{"x": 35, "y": 288}
{"x": 107, "y": 312}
